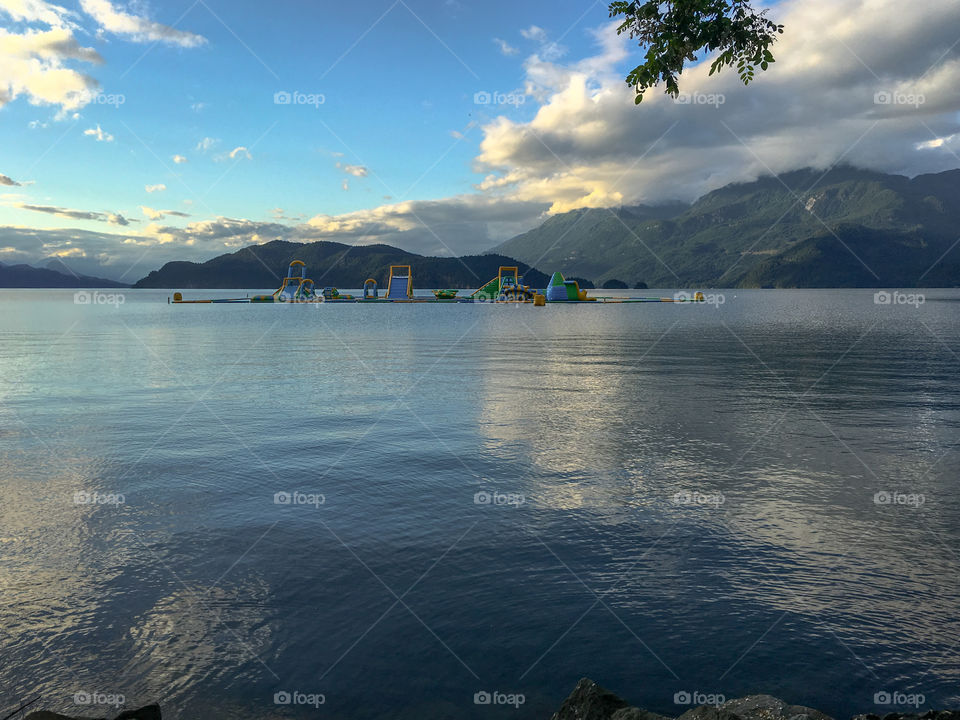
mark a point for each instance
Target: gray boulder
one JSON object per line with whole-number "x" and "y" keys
{"x": 150, "y": 712}
{"x": 754, "y": 707}
{"x": 589, "y": 701}
{"x": 633, "y": 713}
{"x": 928, "y": 715}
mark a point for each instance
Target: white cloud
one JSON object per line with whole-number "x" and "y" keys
{"x": 152, "y": 214}
{"x": 535, "y": 33}
{"x": 179, "y": 159}
{"x": 505, "y": 47}
{"x": 458, "y": 225}
{"x": 222, "y": 232}
{"x": 107, "y": 217}
{"x": 102, "y": 254}
{"x": 37, "y": 62}
{"x": 136, "y": 28}
{"x": 159, "y": 187}
{"x": 589, "y": 145}
{"x": 99, "y": 134}
{"x": 345, "y": 184}
{"x": 9, "y": 251}
{"x": 355, "y": 170}
{"x": 548, "y": 50}
{"x": 206, "y": 144}
{"x": 35, "y": 11}
{"x": 70, "y": 252}
{"x": 939, "y": 142}
{"x": 34, "y": 64}
{"x": 238, "y": 153}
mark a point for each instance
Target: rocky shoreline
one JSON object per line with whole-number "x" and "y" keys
{"x": 150, "y": 712}
{"x": 590, "y": 701}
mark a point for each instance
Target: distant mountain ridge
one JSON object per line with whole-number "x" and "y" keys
{"x": 844, "y": 228}
{"x": 27, "y": 276}
{"x": 330, "y": 264}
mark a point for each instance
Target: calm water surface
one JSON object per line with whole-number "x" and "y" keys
{"x": 694, "y": 503}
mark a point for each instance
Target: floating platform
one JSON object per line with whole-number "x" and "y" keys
{"x": 507, "y": 287}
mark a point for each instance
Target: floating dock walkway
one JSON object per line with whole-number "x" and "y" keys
{"x": 507, "y": 287}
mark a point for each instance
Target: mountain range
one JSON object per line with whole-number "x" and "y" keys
{"x": 331, "y": 264}
{"x": 27, "y": 276}
{"x": 844, "y": 228}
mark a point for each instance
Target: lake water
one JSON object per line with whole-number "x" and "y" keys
{"x": 665, "y": 498}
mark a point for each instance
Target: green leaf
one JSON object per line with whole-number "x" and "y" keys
{"x": 681, "y": 31}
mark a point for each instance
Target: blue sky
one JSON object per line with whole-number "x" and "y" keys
{"x": 397, "y": 79}
{"x": 133, "y": 133}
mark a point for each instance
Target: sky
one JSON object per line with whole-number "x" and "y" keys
{"x": 133, "y": 133}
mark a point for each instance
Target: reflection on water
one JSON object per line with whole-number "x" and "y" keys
{"x": 803, "y": 419}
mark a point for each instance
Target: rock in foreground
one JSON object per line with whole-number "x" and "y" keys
{"x": 590, "y": 701}
{"x": 150, "y": 712}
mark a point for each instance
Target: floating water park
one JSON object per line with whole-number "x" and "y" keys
{"x": 507, "y": 287}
